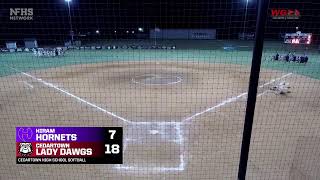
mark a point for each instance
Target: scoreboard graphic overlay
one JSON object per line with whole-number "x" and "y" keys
{"x": 69, "y": 145}
{"x": 298, "y": 38}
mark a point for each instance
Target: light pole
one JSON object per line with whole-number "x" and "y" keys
{"x": 245, "y": 17}
{"x": 156, "y": 30}
{"x": 70, "y": 21}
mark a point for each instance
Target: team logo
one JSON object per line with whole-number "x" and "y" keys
{"x": 25, "y": 149}
{"x": 25, "y": 134}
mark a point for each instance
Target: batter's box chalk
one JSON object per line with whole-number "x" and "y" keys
{"x": 153, "y": 147}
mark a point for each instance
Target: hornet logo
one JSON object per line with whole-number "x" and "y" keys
{"x": 25, "y": 134}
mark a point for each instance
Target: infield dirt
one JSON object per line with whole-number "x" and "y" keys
{"x": 202, "y": 144}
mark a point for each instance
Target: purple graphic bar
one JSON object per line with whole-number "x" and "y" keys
{"x": 65, "y": 134}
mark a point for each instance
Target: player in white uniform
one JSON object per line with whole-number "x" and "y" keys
{"x": 281, "y": 88}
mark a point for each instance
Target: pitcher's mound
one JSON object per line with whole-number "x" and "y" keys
{"x": 156, "y": 79}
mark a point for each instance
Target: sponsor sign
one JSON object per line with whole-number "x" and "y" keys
{"x": 285, "y": 14}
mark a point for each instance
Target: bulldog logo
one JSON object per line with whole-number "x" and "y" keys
{"x": 25, "y": 149}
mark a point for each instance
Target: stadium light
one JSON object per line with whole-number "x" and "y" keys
{"x": 115, "y": 33}
{"x": 140, "y": 29}
{"x": 70, "y": 21}
{"x": 245, "y": 17}
{"x": 97, "y": 31}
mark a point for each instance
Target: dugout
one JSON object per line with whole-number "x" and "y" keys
{"x": 11, "y": 44}
{"x": 30, "y": 43}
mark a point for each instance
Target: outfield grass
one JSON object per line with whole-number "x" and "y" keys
{"x": 27, "y": 61}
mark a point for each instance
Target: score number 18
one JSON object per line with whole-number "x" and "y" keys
{"x": 112, "y": 148}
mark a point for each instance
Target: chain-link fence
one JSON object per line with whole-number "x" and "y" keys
{"x": 175, "y": 76}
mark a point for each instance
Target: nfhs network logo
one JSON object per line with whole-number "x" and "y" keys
{"x": 18, "y": 14}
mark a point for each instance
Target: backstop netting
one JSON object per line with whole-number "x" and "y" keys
{"x": 285, "y": 137}
{"x": 173, "y": 74}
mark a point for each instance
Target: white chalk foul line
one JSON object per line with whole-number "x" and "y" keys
{"x": 274, "y": 80}
{"x": 26, "y": 83}
{"x": 233, "y": 99}
{"x": 72, "y": 95}
{"x": 264, "y": 92}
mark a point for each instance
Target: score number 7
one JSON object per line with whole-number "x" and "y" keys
{"x": 112, "y": 132}
{"x": 114, "y": 148}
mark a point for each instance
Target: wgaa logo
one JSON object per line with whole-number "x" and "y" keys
{"x": 285, "y": 14}
{"x": 17, "y": 14}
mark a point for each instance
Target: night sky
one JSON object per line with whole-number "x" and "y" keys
{"x": 50, "y": 20}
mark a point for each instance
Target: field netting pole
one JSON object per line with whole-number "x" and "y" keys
{"x": 253, "y": 85}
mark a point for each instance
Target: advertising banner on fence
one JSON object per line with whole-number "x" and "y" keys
{"x": 285, "y": 13}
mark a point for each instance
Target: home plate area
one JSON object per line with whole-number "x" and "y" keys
{"x": 144, "y": 150}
